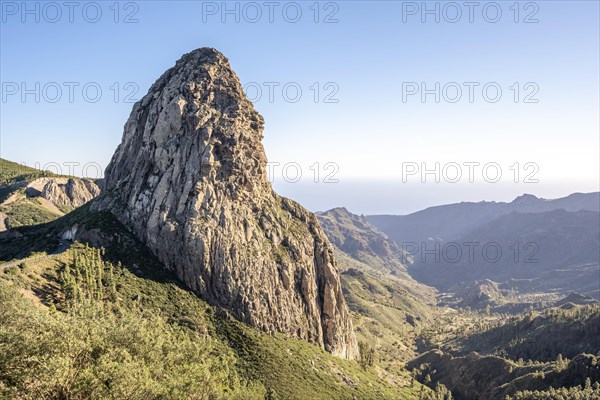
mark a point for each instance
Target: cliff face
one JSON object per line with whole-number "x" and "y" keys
{"x": 66, "y": 193}
{"x": 355, "y": 236}
{"x": 189, "y": 179}
{"x": 39, "y": 200}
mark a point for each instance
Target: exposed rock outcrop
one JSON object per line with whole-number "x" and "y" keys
{"x": 189, "y": 179}
{"x": 354, "y": 235}
{"x": 41, "y": 200}
{"x": 64, "y": 193}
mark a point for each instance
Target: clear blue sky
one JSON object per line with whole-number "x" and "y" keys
{"x": 367, "y": 57}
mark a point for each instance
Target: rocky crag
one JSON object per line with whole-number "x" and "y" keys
{"x": 355, "y": 236}
{"x": 65, "y": 193}
{"x": 37, "y": 200}
{"x": 189, "y": 179}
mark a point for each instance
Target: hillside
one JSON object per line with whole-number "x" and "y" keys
{"x": 234, "y": 360}
{"x": 364, "y": 249}
{"x": 474, "y": 377}
{"x": 388, "y": 307}
{"x": 539, "y": 336}
{"x": 12, "y": 172}
{"x": 136, "y": 298}
{"x": 29, "y": 196}
{"x": 355, "y": 236}
{"x": 483, "y": 355}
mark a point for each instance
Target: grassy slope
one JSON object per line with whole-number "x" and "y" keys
{"x": 11, "y": 172}
{"x": 21, "y": 211}
{"x": 388, "y": 307}
{"x": 379, "y": 301}
{"x": 381, "y": 310}
{"x": 24, "y": 212}
{"x": 291, "y": 368}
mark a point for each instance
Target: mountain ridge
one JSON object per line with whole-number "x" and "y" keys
{"x": 553, "y": 251}
{"x": 449, "y": 221}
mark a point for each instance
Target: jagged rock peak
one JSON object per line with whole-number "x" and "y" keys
{"x": 189, "y": 179}
{"x": 199, "y": 98}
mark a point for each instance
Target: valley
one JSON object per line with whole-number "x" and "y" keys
{"x": 418, "y": 338}
{"x": 183, "y": 275}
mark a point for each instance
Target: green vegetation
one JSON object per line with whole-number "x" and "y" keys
{"x": 109, "y": 321}
{"x": 296, "y": 370}
{"x": 16, "y": 208}
{"x": 97, "y": 350}
{"x": 367, "y": 355}
{"x": 492, "y": 356}
{"x": 388, "y": 307}
{"x": 120, "y": 304}
{"x": 587, "y": 392}
{"x": 540, "y": 336}
{"x": 11, "y": 172}
{"x": 33, "y": 240}
{"x": 385, "y": 312}
{"x": 491, "y": 377}
{"x": 26, "y": 213}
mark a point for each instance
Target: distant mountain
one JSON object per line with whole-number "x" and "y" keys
{"x": 573, "y": 299}
{"x": 451, "y": 221}
{"x": 366, "y": 249}
{"x": 555, "y": 251}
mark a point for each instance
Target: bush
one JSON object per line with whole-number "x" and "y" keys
{"x": 24, "y": 267}
{"x": 98, "y": 349}
{"x": 366, "y": 355}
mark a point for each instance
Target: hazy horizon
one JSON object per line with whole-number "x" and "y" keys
{"x": 208, "y": 262}
{"x": 379, "y": 196}
{"x": 357, "y": 119}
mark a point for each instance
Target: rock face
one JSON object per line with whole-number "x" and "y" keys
{"x": 42, "y": 200}
{"x": 65, "y": 193}
{"x": 189, "y": 179}
{"x": 354, "y": 235}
